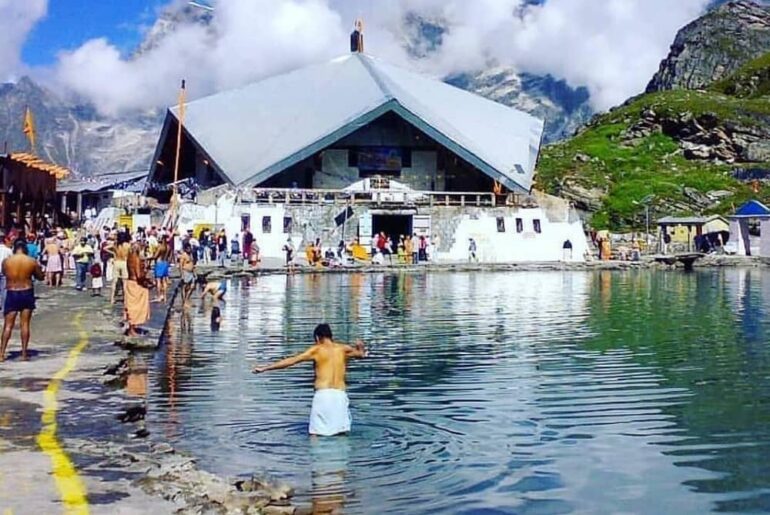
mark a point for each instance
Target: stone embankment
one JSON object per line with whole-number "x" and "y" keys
{"x": 647, "y": 262}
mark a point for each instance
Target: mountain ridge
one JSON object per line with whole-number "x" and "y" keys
{"x": 713, "y": 46}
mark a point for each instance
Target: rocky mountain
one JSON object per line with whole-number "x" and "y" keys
{"x": 74, "y": 134}
{"x": 685, "y": 151}
{"x": 563, "y": 108}
{"x": 715, "y": 46}
{"x": 169, "y": 20}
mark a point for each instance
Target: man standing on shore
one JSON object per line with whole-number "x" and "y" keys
{"x": 83, "y": 254}
{"x": 19, "y": 269}
{"x": 330, "y": 414}
{"x": 162, "y": 264}
{"x": 119, "y": 263}
{"x": 188, "y": 273}
{"x": 136, "y": 298}
{"x": 5, "y": 253}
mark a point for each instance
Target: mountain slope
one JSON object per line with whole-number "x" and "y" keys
{"x": 692, "y": 145}
{"x": 714, "y": 46}
{"x": 685, "y": 148}
{"x": 563, "y": 108}
{"x": 75, "y": 135}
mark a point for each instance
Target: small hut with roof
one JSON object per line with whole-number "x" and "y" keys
{"x": 741, "y": 224}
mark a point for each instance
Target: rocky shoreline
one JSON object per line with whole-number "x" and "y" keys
{"x": 162, "y": 471}
{"x": 101, "y": 424}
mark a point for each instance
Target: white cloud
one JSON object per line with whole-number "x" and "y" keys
{"x": 17, "y": 18}
{"x": 613, "y": 50}
{"x": 613, "y": 47}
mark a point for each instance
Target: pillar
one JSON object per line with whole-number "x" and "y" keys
{"x": 80, "y": 207}
{"x": 764, "y": 238}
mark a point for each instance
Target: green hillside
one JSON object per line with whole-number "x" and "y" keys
{"x": 680, "y": 146}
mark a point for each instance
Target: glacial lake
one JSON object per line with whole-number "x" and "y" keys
{"x": 546, "y": 392}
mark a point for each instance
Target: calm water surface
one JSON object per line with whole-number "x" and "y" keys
{"x": 636, "y": 392}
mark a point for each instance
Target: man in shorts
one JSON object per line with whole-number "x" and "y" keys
{"x": 216, "y": 289}
{"x": 162, "y": 264}
{"x": 19, "y": 269}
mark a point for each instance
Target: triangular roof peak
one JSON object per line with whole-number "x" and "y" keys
{"x": 753, "y": 209}
{"x": 260, "y": 129}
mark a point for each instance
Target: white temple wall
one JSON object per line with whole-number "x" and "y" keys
{"x": 453, "y": 227}
{"x": 512, "y": 246}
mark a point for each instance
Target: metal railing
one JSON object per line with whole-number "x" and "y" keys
{"x": 383, "y": 197}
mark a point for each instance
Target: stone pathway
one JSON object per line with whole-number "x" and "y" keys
{"x": 81, "y": 408}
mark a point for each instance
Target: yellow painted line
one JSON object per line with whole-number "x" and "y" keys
{"x": 70, "y": 486}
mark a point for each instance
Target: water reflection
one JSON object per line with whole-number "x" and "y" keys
{"x": 547, "y": 392}
{"x": 329, "y": 470}
{"x": 136, "y": 383}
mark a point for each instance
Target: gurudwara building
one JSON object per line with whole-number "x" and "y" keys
{"x": 355, "y": 146}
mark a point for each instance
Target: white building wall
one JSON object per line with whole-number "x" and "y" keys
{"x": 271, "y": 242}
{"x": 513, "y": 247}
{"x": 764, "y": 238}
{"x": 492, "y": 246}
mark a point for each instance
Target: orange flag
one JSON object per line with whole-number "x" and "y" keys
{"x": 29, "y": 128}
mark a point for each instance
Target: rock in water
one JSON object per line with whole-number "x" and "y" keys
{"x": 715, "y": 46}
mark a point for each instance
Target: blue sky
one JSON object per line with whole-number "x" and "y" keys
{"x": 70, "y": 23}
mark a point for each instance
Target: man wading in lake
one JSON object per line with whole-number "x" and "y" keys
{"x": 329, "y": 415}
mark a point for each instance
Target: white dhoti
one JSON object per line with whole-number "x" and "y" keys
{"x": 330, "y": 414}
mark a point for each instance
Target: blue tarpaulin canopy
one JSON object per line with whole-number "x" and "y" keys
{"x": 752, "y": 209}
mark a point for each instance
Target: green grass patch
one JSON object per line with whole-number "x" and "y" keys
{"x": 654, "y": 166}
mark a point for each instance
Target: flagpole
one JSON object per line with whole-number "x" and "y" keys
{"x": 180, "y": 122}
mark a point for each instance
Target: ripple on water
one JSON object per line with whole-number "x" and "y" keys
{"x": 489, "y": 393}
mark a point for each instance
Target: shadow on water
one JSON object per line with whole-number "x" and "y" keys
{"x": 487, "y": 393}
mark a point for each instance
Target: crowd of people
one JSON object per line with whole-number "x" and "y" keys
{"x": 407, "y": 249}
{"x": 130, "y": 263}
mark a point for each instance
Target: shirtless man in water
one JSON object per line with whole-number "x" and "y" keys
{"x": 19, "y": 269}
{"x": 329, "y": 415}
{"x": 216, "y": 289}
{"x": 188, "y": 273}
